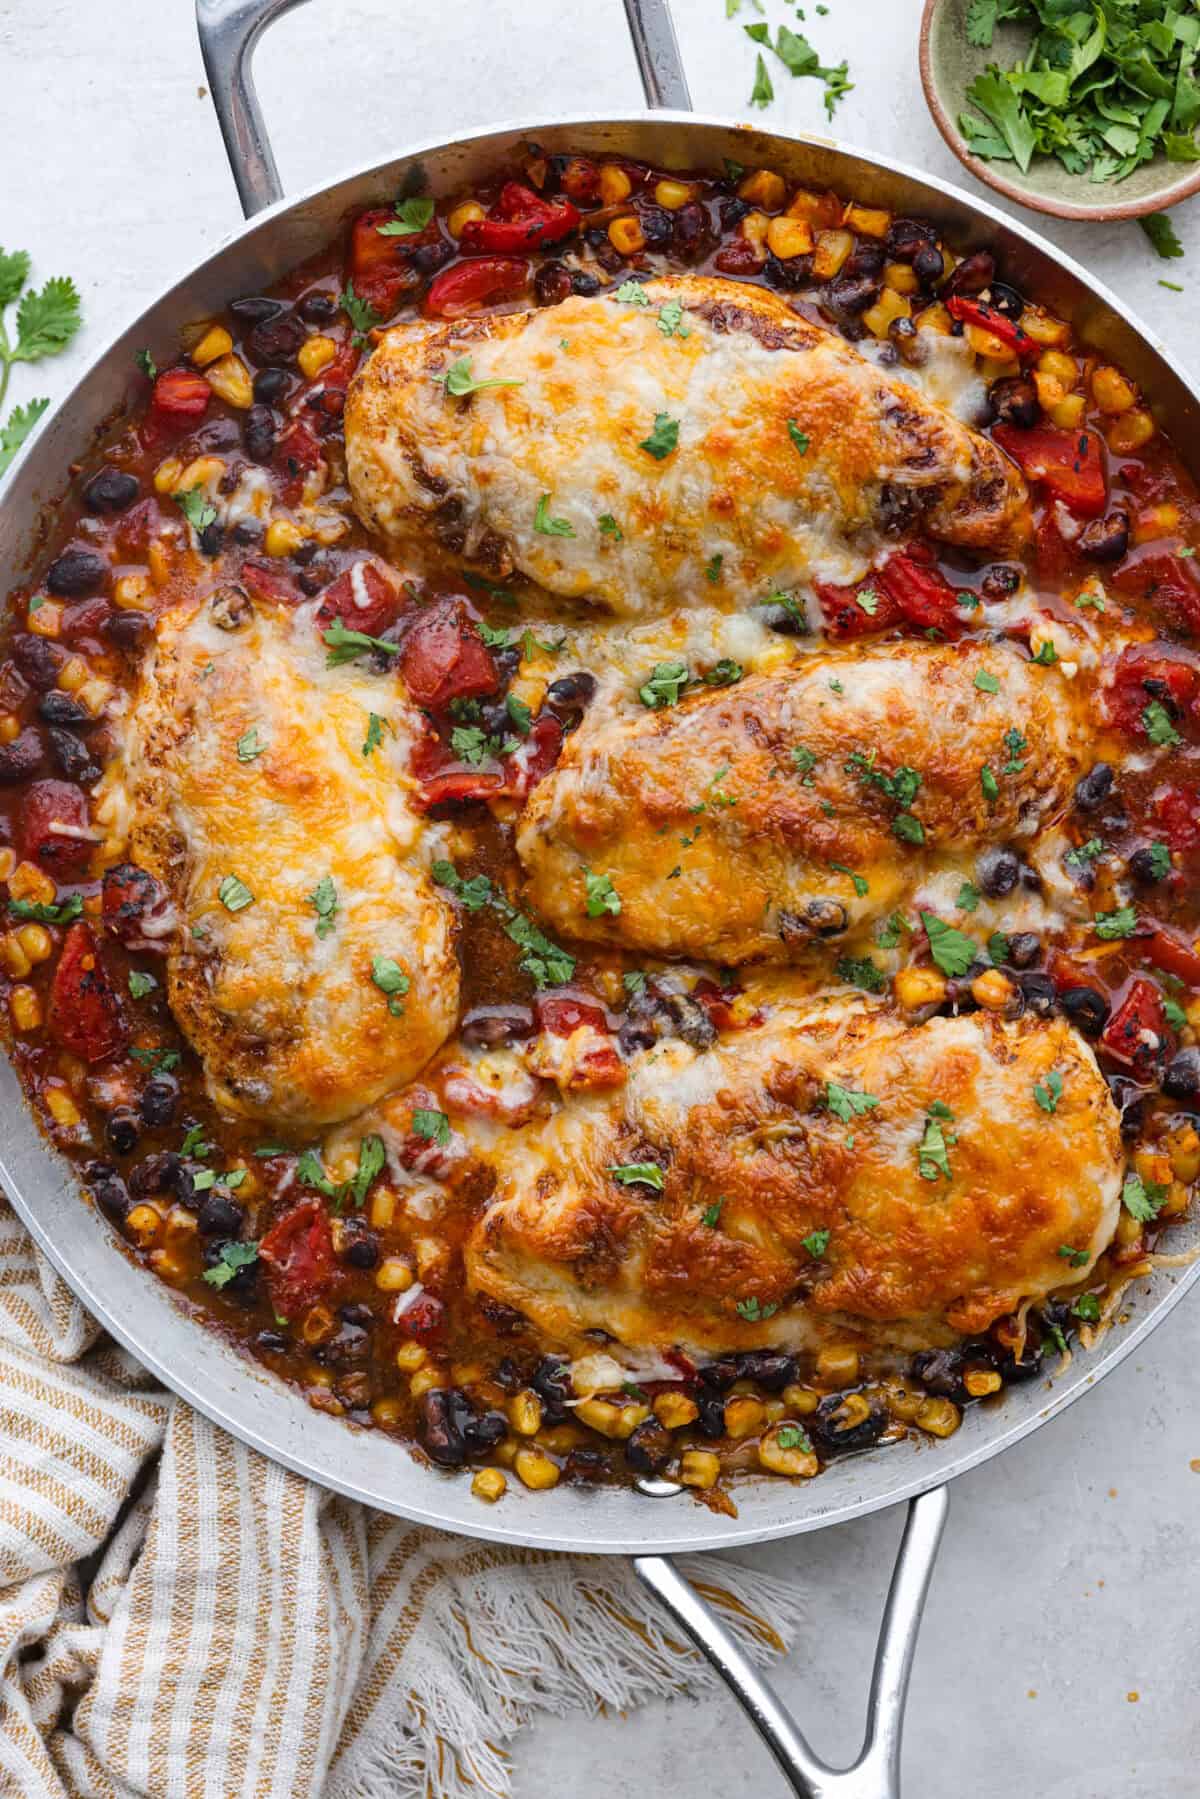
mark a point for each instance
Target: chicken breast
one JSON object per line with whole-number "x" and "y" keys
{"x": 794, "y": 807}
{"x": 706, "y": 441}
{"x": 829, "y": 1167}
{"x": 312, "y": 966}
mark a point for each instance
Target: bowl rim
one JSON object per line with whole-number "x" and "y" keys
{"x": 1060, "y": 209}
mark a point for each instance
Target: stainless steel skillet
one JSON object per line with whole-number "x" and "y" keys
{"x": 141, "y": 1313}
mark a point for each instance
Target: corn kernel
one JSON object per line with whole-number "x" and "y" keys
{"x": 673, "y": 194}
{"x": 1130, "y": 430}
{"x": 534, "y": 1468}
{"x": 700, "y": 1468}
{"x": 787, "y": 1456}
{"x": 1043, "y": 327}
{"x": 166, "y": 475}
{"x": 917, "y": 987}
{"x": 902, "y": 1401}
{"x": 143, "y": 1224}
{"x": 626, "y": 235}
{"x": 229, "y": 379}
{"x": 1059, "y": 364}
{"x": 763, "y": 188}
{"x": 8, "y": 861}
{"x": 466, "y": 1374}
{"x": 29, "y": 882}
{"x": 1156, "y": 521}
{"x": 979, "y": 1382}
{"x": 315, "y": 354}
{"x": 1175, "y": 1202}
{"x": 674, "y": 1410}
{"x": 940, "y": 1417}
{"x": 801, "y": 1399}
{"x": 425, "y": 1379}
{"x": 467, "y": 212}
{"x": 506, "y": 1451}
{"x": 889, "y": 307}
{"x": 387, "y": 1413}
{"x": 393, "y": 1275}
{"x": 26, "y": 1010}
{"x": 753, "y": 231}
{"x": 1068, "y": 413}
{"x": 992, "y": 990}
{"x": 318, "y": 1324}
{"x": 744, "y": 1417}
{"x": 383, "y": 1207}
{"x": 935, "y": 318}
{"x": 1183, "y": 1147}
{"x": 1128, "y": 1231}
{"x": 789, "y": 237}
{"x": 1110, "y": 389}
{"x": 831, "y": 251}
{"x": 611, "y": 1420}
{"x": 10, "y": 728}
{"x": 283, "y": 537}
{"x": 14, "y": 958}
{"x": 72, "y": 674}
{"x": 837, "y": 1364}
{"x": 868, "y": 221}
{"x": 204, "y": 471}
{"x": 615, "y": 184}
{"x": 132, "y": 592}
{"x": 215, "y": 343}
{"x": 901, "y": 278}
{"x": 525, "y": 1413}
{"x": 35, "y": 941}
{"x": 490, "y": 1485}
{"x": 410, "y": 1356}
{"x": 44, "y": 620}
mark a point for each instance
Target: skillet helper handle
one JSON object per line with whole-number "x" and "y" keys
{"x": 876, "y": 1772}
{"x": 230, "y": 29}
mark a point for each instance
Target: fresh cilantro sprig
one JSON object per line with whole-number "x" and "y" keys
{"x": 47, "y": 319}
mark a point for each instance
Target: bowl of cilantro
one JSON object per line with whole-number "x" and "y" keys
{"x": 1087, "y": 109}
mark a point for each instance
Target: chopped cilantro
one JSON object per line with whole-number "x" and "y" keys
{"x": 610, "y": 528}
{"x": 433, "y": 1126}
{"x": 234, "y": 894}
{"x": 1087, "y": 1307}
{"x": 711, "y": 1215}
{"x": 986, "y": 681}
{"x": 324, "y": 901}
{"x": 951, "y": 950}
{"x": 374, "y": 736}
{"x": 1075, "y": 1258}
{"x": 662, "y": 440}
{"x": 42, "y": 912}
{"x": 345, "y": 645}
{"x": 233, "y": 1258}
{"x": 196, "y": 508}
{"x": 800, "y": 438}
{"x": 250, "y": 745}
{"x": 602, "y": 896}
{"x": 933, "y": 1160}
{"x": 667, "y": 681}
{"x": 861, "y": 971}
{"x": 140, "y": 984}
{"x": 754, "y": 1311}
{"x": 712, "y": 568}
{"x": 1156, "y": 722}
{"x": 816, "y": 1243}
{"x": 1142, "y": 1199}
{"x": 459, "y": 380}
{"x": 645, "y": 1174}
{"x": 1119, "y": 923}
{"x": 411, "y": 216}
{"x": 989, "y": 784}
{"x": 632, "y": 293}
{"x": 547, "y": 526}
{"x": 391, "y": 979}
{"x": 861, "y": 885}
{"x": 847, "y": 1103}
{"x": 968, "y": 897}
{"x": 1047, "y": 1093}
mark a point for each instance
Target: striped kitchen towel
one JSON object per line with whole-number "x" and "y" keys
{"x": 179, "y": 1616}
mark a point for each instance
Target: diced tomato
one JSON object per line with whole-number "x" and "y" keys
{"x": 1152, "y": 671}
{"x": 1170, "y": 582}
{"x": 1136, "y": 1033}
{"x": 978, "y": 312}
{"x": 269, "y": 584}
{"x": 716, "y": 1001}
{"x": 580, "y": 180}
{"x": 297, "y": 452}
{"x": 424, "y": 1320}
{"x": 925, "y": 598}
{"x": 1069, "y": 464}
{"x": 297, "y": 1253}
{"x": 137, "y": 528}
{"x": 84, "y": 1015}
{"x": 1178, "y": 816}
{"x": 384, "y": 267}
{"x": 536, "y": 756}
{"x": 55, "y": 820}
{"x": 180, "y": 400}
{"x": 446, "y": 781}
{"x": 519, "y": 220}
{"x": 363, "y": 598}
{"x": 561, "y": 1014}
{"x": 845, "y": 614}
{"x": 468, "y": 286}
{"x": 1056, "y": 559}
{"x": 1167, "y": 952}
{"x": 444, "y": 658}
{"x": 136, "y": 909}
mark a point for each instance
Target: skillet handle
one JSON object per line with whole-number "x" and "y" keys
{"x": 230, "y": 29}
{"x": 876, "y": 1772}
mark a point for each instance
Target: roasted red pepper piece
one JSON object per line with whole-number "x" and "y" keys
{"x": 470, "y": 285}
{"x": 363, "y": 598}
{"x": 1152, "y": 671}
{"x": 84, "y": 1015}
{"x": 382, "y": 268}
{"x": 1178, "y": 816}
{"x": 180, "y": 399}
{"x": 269, "y": 584}
{"x": 1069, "y": 464}
{"x": 1137, "y": 1034}
{"x": 445, "y": 659}
{"x": 924, "y": 597}
{"x": 519, "y": 220}
{"x": 580, "y": 180}
{"x": 535, "y": 758}
{"x": 846, "y": 617}
{"x": 424, "y": 1320}
{"x": 1170, "y": 582}
{"x": 560, "y": 1014}
{"x": 978, "y": 312}
{"x": 1167, "y": 952}
{"x": 297, "y": 452}
{"x": 445, "y": 780}
{"x": 297, "y": 1253}
{"x": 52, "y": 815}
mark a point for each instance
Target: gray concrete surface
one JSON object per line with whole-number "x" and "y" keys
{"x": 1061, "y": 1643}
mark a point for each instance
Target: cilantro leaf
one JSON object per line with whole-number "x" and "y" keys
{"x": 762, "y": 93}
{"x": 459, "y": 380}
{"x": 754, "y": 1311}
{"x": 1047, "y": 1093}
{"x": 800, "y": 438}
{"x": 644, "y": 1174}
{"x": 1156, "y": 722}
{"x": 816, "y": 1243}
{"x": 665, "y": 685}
{"x": 547, "y": 526}
{"x": 610, "y": 528}
{"x": 411, "y": 217}
{"x": 1161, "y": 232}
{"x": 662, "y": 440}
{"x": 861, "y": 971}
{"x": 16, "y": 429}
{"x": 233, "y": 1258}
{"x": 1119, "y": 923}
{"x": 602, "y": 896}
{"x": 362, "y": 316}
{"x": 433, "y": 1126}
{"x": 196, "y": 508}
{"x": 374, "y": 736}
{"x": 140, "y": 984}
{"x": 372, "y": 1159}
{"x": 391, "y": 979}
{"x": 345, "y": 645}
{"x": 324, "y": 901}
{"x": 933, "y": 1160}
{"x": 1142, "y": 1199}
{"x": 951, "y": 950}
{"x": 250, "y": 745}
{"x": 847, "y": 1103}
{"x": 46, "y": 321}
{"x": 632, "y": 293}
{"x": 234, "y": 894}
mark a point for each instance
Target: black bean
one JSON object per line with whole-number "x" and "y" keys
{"x": 260, "y": 432}
{"x": 272, "y": 1342}
{"x": 940, "y": 1372}
{"x": 351, "y": 1346}
{"x": 1000, "y": 580}
{"x": 711, "y": 1421}
{"x": 584, "y": 1467}
{"x": 584, "y": 283}
{"x": 551, "y": 1381}
{"x": 1038, "y": 991}
{"x": 1087, "y": 1009}
{"x": 657, "y": 225}
{"x": 1014, "y": 1371}
{"x": 247, "y": 530}
{"x": 123, "y": 1130}
{"x": 826, "y": 917}
{"x": 210, "y": 539}
{"x": 1093, "y": 788}
{"x": 906, "y": 238}
{"x": 865, "y": 259}
{"x": 720, "y": 1374}
{"x": 607, "y": 255}
{"x": 691, "y": 1022}
{"x": 38, "y": 659}
{"x": 362, "y": 1252}
{"x": 788, "y": 274}
{"x": 76, "y": 572}
{"x": 158, "y": 1173}
{"x": 111, "y": 490}
{"x": 691, "y": 232}
{"x": 427, "y": 259}
{"x": 733, "y": 211}
{"x": 997, "y": 871}
{"x": 271, "y": 386}
{"x": 483, "y": 1433}
{"x": 785, "y": 621}
{"x": 444, "y": 1411}
{"x": 1024, "y": 949}
{"x": 1105, "y": 539}
{"x": 277, "y": 339}
{"x": 929, "y": 265}
{"x": 1181, "y": 1077}
{"x": 852, "y": 294}
{"x": 317, "y": 308}
{"x": 837, "y": 1427}
{"x": 552, "y": 283}
{"x": 1006, "y": 301}
{"x": 58, "y": 708}
{"x": 649, "y": 1449}
{"x": 107, "y": 1189}
{"x": 1014, "y": 401}
{"x": 254, "y": 309}
{"x": 159, "y": 1101}
{"x": 568, "y": 696}
{"x": 22, "y": 757}
{"x": 218, "y": 1216}
{"x": 1146, "y": 867}
{"x": 491, "y": 1027}
{"x": 771, "y": 1369}
{"x": 128, "y": 630}
{"x": 71, "y": 758}
{"x": 218, "y": 434}
{"x": 972, "y": 275}
{"x": 1130, "y": 1101}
